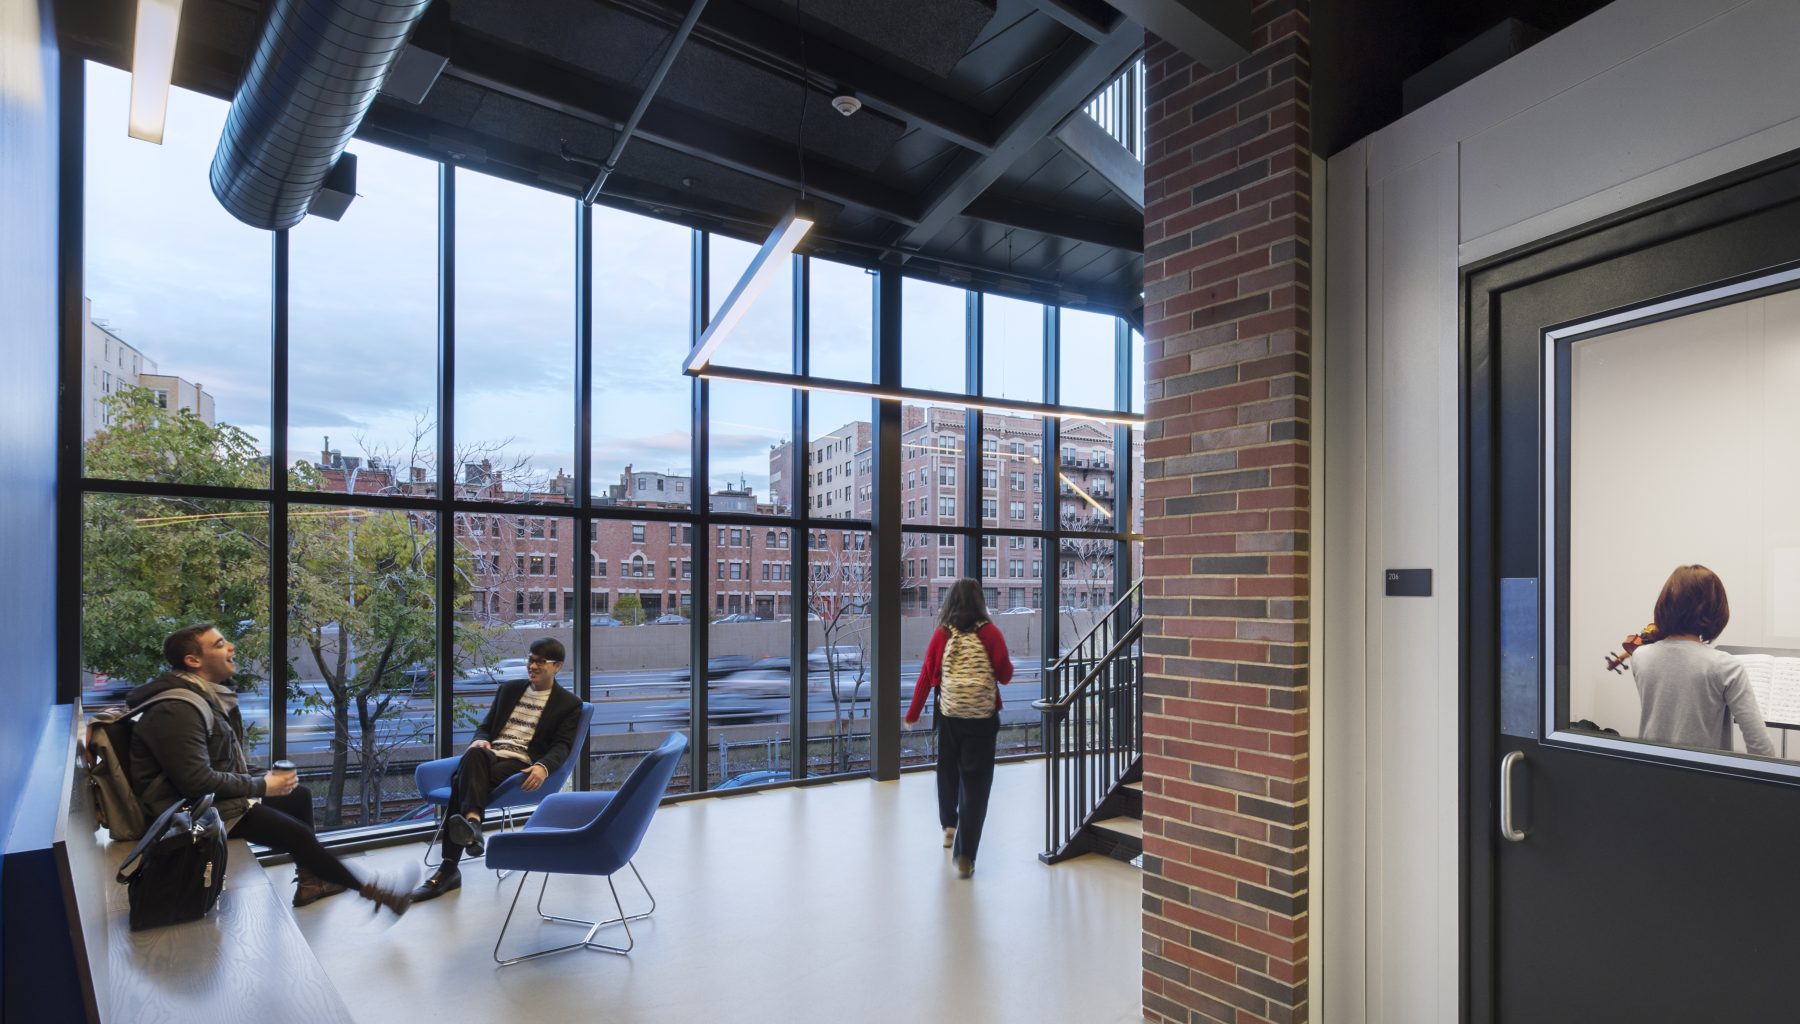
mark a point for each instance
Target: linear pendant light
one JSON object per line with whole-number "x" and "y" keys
{"x": 768, "y": 262}
{"x": 153, "y": 67}
{"x": 917, "y": 395}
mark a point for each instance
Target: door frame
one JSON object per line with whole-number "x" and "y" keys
{"x": 1730, "y": 197}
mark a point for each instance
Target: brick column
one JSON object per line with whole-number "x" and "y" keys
{"x": 1227, "y": 274}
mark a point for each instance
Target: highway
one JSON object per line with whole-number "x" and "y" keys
{"x": 633, "y": 701}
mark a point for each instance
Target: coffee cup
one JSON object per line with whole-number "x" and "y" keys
{"x": 284, "y": 766}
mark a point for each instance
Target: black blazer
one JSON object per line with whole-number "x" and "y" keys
{"x": 555, "y": 735}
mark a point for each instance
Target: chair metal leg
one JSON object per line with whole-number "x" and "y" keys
{"x": 431, "y": 845}
{"x": 506, "y": 825}
{"x": 586, "y": 941}
{"x": 609, "y": 921}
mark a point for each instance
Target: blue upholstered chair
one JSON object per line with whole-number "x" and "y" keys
{"x": 587, "y": 834}
{"x": 433, "y": 779}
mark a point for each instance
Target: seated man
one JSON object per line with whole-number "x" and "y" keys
{"x": 531, "y": 729}
{"x": 176, "y": 756}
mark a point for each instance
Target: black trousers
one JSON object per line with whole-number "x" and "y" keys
{"x": 286, "y": 823}
{"x": 480, "y": 771}
{"x": 965, "y": 777}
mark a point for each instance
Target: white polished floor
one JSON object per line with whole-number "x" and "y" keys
{"x": 832, "y": 903}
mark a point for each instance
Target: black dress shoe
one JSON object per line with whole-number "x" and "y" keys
{"x": 464, "y": 833}
{"x": 444, "y": 881}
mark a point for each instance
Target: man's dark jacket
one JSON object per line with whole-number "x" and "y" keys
{"x": 555, "y": 735}
{"x": 174, "y": 757}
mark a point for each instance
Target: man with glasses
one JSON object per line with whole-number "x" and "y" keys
{"x": 530, "y": 729}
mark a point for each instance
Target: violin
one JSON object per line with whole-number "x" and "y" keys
{"x": 1615, "y": 662}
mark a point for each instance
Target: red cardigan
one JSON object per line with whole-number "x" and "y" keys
{"x": 931, "y": 672}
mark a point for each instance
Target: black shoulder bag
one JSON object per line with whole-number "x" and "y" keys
{"x": 177, "y": 871}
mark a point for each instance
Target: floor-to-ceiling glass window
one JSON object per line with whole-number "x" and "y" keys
{"x": 430, "y": 517}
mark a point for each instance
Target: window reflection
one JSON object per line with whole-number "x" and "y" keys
{"x": 1663, "y": 419}
{"x": 176, "y": 295}
{"x": 363, "y": 336}
{"x": 515, "y": 341}
{"x": 642, "y": 405}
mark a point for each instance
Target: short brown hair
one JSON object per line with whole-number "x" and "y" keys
{"x": 1693, "y": 601}
{"x": 184, "y": 642}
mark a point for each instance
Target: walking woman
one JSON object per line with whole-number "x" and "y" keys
{"x": 964, "y": 662}
{"x": 1692, "y": 692}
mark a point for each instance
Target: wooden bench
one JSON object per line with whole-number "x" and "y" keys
{"x": 246, "y": 960}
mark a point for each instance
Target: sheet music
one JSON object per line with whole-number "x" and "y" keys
{"x": 1784, "y": 692}
{"x": 1760, "y": 668}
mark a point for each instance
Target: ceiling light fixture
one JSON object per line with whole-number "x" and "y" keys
{"x": 915, "y": 395}
{"x": 769, "y": 261}
{"x": 153, "y": 67}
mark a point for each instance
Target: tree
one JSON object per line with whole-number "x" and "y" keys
{"x": 629, "y": 610}
{"x": 841, "y": 594}
{"x": 151, "y": 565}
{"x": 361, "y": 583}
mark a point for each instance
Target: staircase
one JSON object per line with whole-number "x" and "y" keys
{"x": 1094, "y": 740}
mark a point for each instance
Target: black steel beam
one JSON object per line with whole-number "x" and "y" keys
{"x": 671, "y": 50}
{"x": 1088, "y": 142}
{"x": 509, "y": 71}
{"x": 748, "y": 33}
{"x": 1065, "y": 79}
{"x": 71, "y": 207}
{"x": 1091, "y": 19}
{"x": 446, "y": 461}
{"x": 1059, "y": 221}
{"x": 1214, "y": 32}
{"x": 884, "y": 694}
{"x": 278, "y": 492}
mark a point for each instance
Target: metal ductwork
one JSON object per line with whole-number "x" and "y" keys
{"x": 315, "y": 70}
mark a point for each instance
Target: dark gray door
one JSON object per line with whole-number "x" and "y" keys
{"x": 1646, "y": 883}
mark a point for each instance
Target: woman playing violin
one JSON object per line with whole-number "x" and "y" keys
{"x": 1691, "y": 693}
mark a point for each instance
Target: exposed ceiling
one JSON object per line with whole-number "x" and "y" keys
{"x": 953, "y": 166}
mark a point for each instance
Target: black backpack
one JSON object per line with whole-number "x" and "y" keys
{"x": 177, "y": 871}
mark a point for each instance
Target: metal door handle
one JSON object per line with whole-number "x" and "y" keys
{"x": 1516, "y": 835}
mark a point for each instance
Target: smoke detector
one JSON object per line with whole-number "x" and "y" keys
{"x": 846, "y": 104}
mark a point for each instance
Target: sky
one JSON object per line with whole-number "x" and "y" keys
{"x": 176, "y": 276}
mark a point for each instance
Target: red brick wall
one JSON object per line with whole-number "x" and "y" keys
{"x": 1227, "y": 273}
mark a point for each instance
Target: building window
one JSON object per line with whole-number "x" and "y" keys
{"x": 637, "y": 533}
{"x": 519, "y": 565}
{"x": 674, "y": 533}
{"x": 1015, "y": 568}
{"x": 552, "y": 565}
{"x": 737, "y": 537}
{"x": 599, "y": 566}
{"x": 537, "y": 529}
{"x": 1016, "y": 509}
{"x": 946, "y": 506}
{"x": 737, "y": 570}
{"x": 1037, "y": 511}
{"x": 1037, "y": 569}
{"x": 1037, "y": 482}
{"x": 989, "y": 508}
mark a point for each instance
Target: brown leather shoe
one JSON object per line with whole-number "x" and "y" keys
{"x": 312, "y": 888}
{"x": 396, "y": 900}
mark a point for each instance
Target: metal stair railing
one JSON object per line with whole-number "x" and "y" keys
{"x": 1093, "y": 721}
